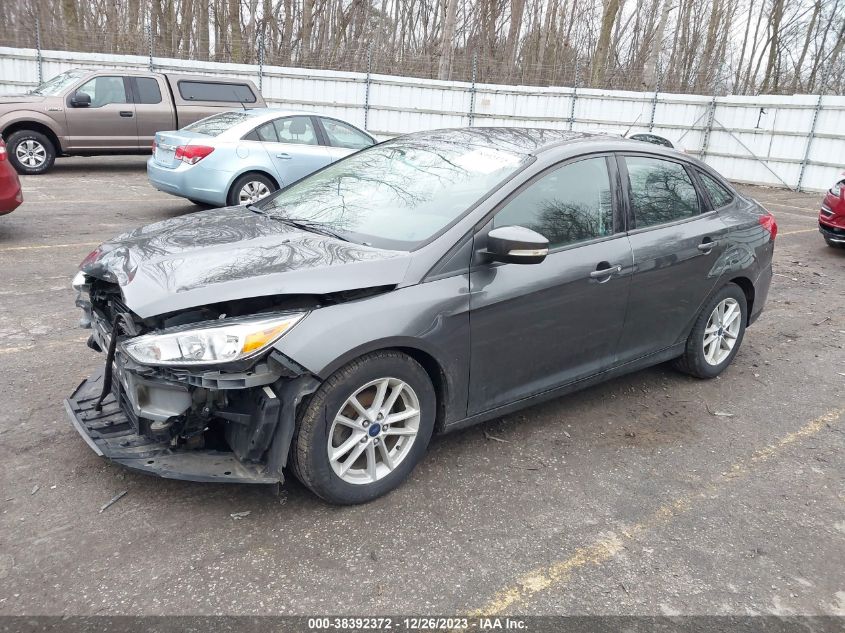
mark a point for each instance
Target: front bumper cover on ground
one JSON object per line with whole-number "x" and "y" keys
{"x": 110, "y": 433}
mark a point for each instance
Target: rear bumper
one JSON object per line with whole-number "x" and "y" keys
{"x": 761, "y": 293}
{"x": 189, "y": 181}
{"x": 10, "y": 192}
{"x": 110, "y": 434}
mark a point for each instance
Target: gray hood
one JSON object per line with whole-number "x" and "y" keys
{"x": 233, "y": 253}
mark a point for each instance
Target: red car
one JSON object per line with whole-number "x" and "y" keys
{"x": 10, "y": 186}
{"x": 832, "y": 215}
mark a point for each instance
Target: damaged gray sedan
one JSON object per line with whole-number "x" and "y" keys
{"x": 424, "y": 284}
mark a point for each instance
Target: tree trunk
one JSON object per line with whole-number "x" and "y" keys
{"x": 611, "y": 11}
{"x": 447, "y": 40}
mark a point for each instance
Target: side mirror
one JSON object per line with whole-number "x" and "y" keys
{"x": 80, "y": 99}
{"x": 516, "y": 245}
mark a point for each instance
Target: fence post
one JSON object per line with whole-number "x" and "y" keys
{"x": 709, "y": 127}
{"x": 38, "y": 49}
{"x": 810, "y": 140}
{"x": 472, "y": 88}
{"x": 149, "y": 30}
{"x": 261, "y": 59}
{"x": 367, "y": 89}
{"x": 574, "y": 97}
{"x": 654, "y": 99}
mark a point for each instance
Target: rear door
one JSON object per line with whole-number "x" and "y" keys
{"x": 341, "y": 138}
{"x": 536, "y": 327}
{"x": 678, "y": 243}
{"x": 292, "y": 143}
{"x": 108, "y": 123}
{"x": 153, "y": 110}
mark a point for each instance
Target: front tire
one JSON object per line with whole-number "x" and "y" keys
{"x": 365, "y": 429}
{"x": 716, "y": 335}
{"x": 31, "y": 153}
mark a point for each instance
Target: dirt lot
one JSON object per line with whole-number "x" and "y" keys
{"x": 652, "y": 494}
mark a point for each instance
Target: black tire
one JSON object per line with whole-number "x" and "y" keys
{"x": 309, "y": 449}
{"x": 693, "y": 361}
{"x": 22, "y": 137}
{"x": 232, "y": 198}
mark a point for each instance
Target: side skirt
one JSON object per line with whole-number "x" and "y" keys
{"x": 614, "y": 372}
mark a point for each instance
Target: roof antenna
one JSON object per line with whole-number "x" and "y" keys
{"x": 625, "y": 135}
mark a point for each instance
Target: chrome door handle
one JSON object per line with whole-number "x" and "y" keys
{"x": 284, "y": 156}
{"x": 606, "y": 272}
{"x": 706, "y": 247}
{"x": 126, "y": 113}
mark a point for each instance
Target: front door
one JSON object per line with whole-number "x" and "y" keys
{"x": 677, "y": 244}
{"x": 538, "y": 326}
{"x": 108, "y": 123}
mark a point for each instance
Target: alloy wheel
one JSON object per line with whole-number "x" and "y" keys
{"x": 721, "y": 331}
{"x": 31, "y": 153}
{"x": 374, "y": 431}
{"x": 252, "y": 192}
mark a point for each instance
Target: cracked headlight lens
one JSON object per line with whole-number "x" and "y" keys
{"x": 214, "y": 342}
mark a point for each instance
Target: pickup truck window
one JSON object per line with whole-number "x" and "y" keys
{"x": 148, "y": 90}
{"x": 215, "y": 91}
{"x": 216, "y": 124}
{"x": 104, "y": 90}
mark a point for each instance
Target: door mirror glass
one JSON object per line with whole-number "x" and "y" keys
{"x": 516, "y": 245}
{"x": 80, "y": 99}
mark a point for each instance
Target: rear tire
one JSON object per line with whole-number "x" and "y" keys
{"x": 714, "y": 339}
{"x": 31, "y": 153}
{"x": 370, "y": 455}
{"x": 249, "y": 189}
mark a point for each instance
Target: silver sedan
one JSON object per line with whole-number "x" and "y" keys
{"x": 239, "y": 157}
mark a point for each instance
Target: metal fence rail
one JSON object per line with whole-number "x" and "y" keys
{"x": 795, "y": 141}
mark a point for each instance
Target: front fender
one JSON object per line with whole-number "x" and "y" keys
{"x": 26, "y": 116}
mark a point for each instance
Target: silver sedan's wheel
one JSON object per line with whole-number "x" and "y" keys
{"x": 31, "y": 153}
{"x": 722, "y": 330}
{"x": 374, "y": 431}
{"x": 252, "y": 191}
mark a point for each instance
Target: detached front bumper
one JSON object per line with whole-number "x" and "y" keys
{"x": 111, "y": 434}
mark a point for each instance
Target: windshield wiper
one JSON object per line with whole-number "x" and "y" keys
{"x": 305, "y": 225}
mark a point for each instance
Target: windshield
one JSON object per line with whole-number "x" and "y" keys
{"x": 58, "y": 83}
{"x": 216, "y": 124}
{"x": 400, "y": 193}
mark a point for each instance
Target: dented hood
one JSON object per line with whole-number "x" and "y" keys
{"x": 233, "y": 253}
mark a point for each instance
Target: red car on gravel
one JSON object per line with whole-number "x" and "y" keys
{"x": 10, "y": 186}
{"x": 832, "y": 215}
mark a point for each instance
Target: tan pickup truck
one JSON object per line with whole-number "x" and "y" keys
{"x": 86, "y": 113}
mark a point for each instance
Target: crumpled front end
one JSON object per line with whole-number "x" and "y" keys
{"x": 207, "y": 423}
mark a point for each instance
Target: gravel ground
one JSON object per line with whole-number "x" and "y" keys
{"x": 651, "y": 494}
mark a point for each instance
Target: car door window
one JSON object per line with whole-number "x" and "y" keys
{"x": 718, "y": 195}
{"x": 296, "y": 129}
{"x": 661, "y": 191}
{"x": 104, "y": 90}
{"x": 148, "y": 90}
{"x": 343, "y": 135}
{"x": 570, "y": 204}
{"x": 265, "y": 133}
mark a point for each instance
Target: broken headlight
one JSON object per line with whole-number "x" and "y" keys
{"x": 213, "y": 342}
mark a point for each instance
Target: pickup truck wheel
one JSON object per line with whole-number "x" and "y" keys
{"x": 250, "y": 188}
{"x": 366, "y": 427}
{"x": 30, "y": 153}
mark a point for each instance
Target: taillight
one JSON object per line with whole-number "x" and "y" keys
{"x": 192, "y": 154}
{"x": 768, "y": 222}
{"x": 154, "y": 147}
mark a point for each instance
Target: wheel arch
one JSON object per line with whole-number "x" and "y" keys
{"x": 250, "y": 170}
{"x": 443, "y": 389}
{"x": 747, "y": 287}
{"x": 34, "y": 126}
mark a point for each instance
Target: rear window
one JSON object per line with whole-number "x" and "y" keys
{"x": 216, "y": 124}
{"x": 215, "y": 91}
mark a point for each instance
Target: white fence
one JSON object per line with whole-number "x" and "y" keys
{"x": 793, "y": 141}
